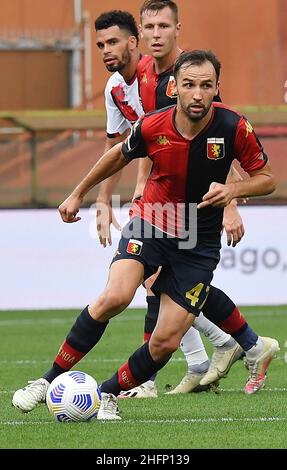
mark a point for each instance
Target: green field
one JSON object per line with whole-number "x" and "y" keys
{"x": 229, "y": 420}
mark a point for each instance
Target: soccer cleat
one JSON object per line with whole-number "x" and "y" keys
{"x": 27, "y": 398}
{"x": 221, "y": 362}
{"x": 109, "y": 409}
{"x": 258, "y": 368}
{"x": 190, "y": 383}
{"x": 142, "y": 391}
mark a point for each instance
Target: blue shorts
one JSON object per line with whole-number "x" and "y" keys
{"x": 186, "y": 274}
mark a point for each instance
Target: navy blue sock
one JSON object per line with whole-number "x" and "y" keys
{"x": 246, "y": 337}
{"x": 137, "y": 370}
{"x": 153, "y": 303}
{"x": 83, "y": 336}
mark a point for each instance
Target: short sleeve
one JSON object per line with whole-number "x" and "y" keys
{"x": 248, "y": 149}
{"x": 117, "y": 124}
{"x": 135, "y": 146}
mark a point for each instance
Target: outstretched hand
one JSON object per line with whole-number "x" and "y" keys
{"x": 70, "y": 208}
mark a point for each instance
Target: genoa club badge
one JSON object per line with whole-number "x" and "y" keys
{"x": 134, "y": 247}
{"x": 215, "y": 148}
{"x": 171, "y": 88}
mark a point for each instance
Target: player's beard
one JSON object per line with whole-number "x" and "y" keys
{"x": 120, "y": 64}
{"x": 195, "y": 117}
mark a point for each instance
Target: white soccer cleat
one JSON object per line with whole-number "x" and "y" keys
{"x": 109, "y": 409}
{"x": 258, "y": 367}
{"x": 142, "y": 391}
{"x": 221, "y": 362}
{"x": 190, "y": 383}
{"x": 27, "y": 398}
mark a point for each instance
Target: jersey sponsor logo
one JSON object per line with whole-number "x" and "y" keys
{"x": 215, "y": 148}
{"x": 134, "y": 247}
{"x": 171, "y": 88}
{"x": 162, "y": 140}
{"x": 249, "y": 128}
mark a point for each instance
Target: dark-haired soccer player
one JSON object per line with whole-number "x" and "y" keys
{"x": 212, "y": 134}
{"x": 160, "y": 27}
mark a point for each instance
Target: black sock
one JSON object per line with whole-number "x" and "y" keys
{"x": 153, "y": 303}
{"x": 218, "y": 306}
{"x": 137, "y": 370}
{"x": 83, "y": 336}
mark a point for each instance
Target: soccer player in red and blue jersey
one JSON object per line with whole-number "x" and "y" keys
{"x": 160, "y": 27}
{"x": 192, "y": 146}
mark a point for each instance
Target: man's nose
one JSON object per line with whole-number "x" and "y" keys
{"x": 156, "y": 32}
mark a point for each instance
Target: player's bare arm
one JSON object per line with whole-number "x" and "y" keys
{"x": 107, "y": 187}
{"x": 260, "y": 183}
{"x": 109, "y": 164}
{"x": 144, "y": 169}
{"x": 105, "y": 215}
{"x": 232, "y": 221}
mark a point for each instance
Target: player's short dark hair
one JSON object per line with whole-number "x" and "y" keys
{"x": 122, "y": 19}
{"x": 157, "y": 5}
{"x": 197, "y": 57}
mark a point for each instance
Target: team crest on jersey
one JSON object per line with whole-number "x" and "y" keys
{"x": 162, "y": 140}
{"x": 134, "y": 247}
{"x": 215, "y": 148}
{"x": 171, "y": 88}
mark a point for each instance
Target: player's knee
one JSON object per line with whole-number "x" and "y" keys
{"x": 161, "y": 348}
{"x": 117, "y": 299}
{"x": 112, "y": 301}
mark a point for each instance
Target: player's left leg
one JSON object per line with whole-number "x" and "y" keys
{"x": 259, "y": 351}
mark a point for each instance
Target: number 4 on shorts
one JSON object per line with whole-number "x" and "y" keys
{"x": 197, "y": 293}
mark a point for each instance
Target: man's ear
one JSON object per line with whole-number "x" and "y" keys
{"x": 178, "y": 28}
{"x": 132, "y": 43}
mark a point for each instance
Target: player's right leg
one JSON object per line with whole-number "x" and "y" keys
{"x": 124, "y": 278}
{"x": 172, "y": 324}
{"x": 149, "y": 388}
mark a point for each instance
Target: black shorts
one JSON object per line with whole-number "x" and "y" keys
{"x": 186, "y": 274}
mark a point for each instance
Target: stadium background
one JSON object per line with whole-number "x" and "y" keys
{"x": 52, "y": 130}
{"x": 49, "y": 62}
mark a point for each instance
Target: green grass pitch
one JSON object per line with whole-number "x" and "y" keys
{"x": 229, "y": 420}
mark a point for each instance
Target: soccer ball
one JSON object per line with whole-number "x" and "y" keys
{"x": 73, "y": 396}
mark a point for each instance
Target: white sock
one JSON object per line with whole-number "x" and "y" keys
{"x": 255, "y": 351}
{"x": 193, "y": 348}
{"x": 150, "y": 383}
{"x": 216, "y": 336}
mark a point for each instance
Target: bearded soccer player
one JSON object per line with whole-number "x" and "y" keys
{"x": 211, "y": 134}
{"x": 159, "y": 28}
